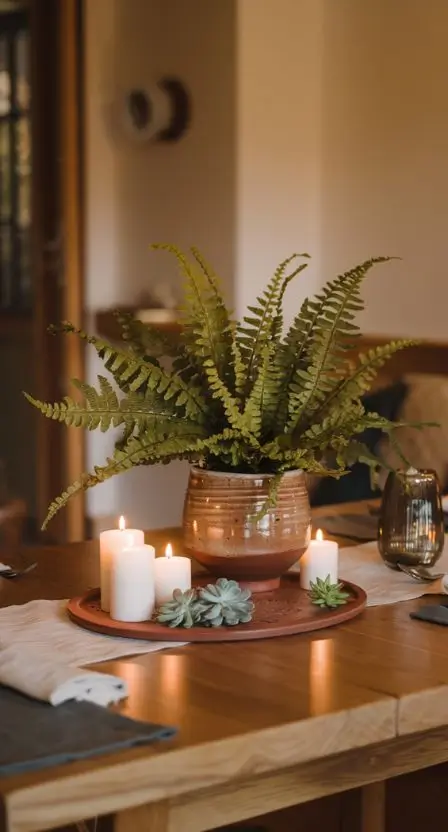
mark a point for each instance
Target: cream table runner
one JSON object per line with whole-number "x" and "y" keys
{"x": 44, "y": 627}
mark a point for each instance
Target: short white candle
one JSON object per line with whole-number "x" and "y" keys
{"x": 132, "y": 584}
{"x": 319, "y": 561}
{"x": 171, "y": 572}
{"x": 112, "y": 541}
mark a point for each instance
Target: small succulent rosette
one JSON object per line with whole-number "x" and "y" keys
{"x": 214, "y": 605}
{"x": 327, "y": 595}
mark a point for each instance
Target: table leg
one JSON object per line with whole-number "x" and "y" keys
{"x": 373, "y": 807}
{"x": 153, "y": 816}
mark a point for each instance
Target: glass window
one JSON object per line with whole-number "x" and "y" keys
{"x": 15, "y": 161}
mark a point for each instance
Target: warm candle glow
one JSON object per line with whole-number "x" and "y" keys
{"x": 322, "y": 672}
{"x": 122, "y": 524}
{"x": 319, "y": 534}
{"x": 169, "y": 551}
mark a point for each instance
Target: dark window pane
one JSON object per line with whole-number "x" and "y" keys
{"x": 6, "y": 267}
{"x": 5, "y": 81}
{"x": 23, "y": 163}
{"x": 22, "y": 67}
{"x": 24, "y": 271}
{"x": 15, "y": 161}
{"x": 5, "y": 172}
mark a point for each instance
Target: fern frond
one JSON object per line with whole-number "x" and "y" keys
{"x": 310, "y": 386}
{"x": 292, "y": 355}
{"x": 359, "y": 380}
{"x": 133, "y": 374}
{"x": 99, "y": 409}
{"x": 231, "y": 448}
{"x": 104, "y": 410}
{"x": 235, "y": 418}
{"x": 260, "y": 399}
{"x": 277, "y": 325}
{"x": 239, "y": 369}
{"x": 256, "y": 331}
{"x": 205, "y": 317}
{"x": 138, "y": 451}
{"x": 145, "y": 340}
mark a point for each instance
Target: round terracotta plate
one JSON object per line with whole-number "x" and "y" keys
{"x": 281, "y": 612}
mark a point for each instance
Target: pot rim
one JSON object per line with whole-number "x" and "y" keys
{"x": 233, "y": 474}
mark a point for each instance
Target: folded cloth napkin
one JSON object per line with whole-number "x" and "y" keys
{"x": 33, "y": 735}
{"x": 54, "y": 682}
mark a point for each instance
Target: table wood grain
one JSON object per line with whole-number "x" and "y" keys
{"x": 262, "y": 725}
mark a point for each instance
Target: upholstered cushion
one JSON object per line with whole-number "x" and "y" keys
{"x": 386, "y": 401}
{"x": 426, "y": 401}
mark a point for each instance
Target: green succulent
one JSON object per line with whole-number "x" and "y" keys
{"x": 227, "y": 604}
{"x": 250, "y": 396}
{"x": 325, "y": 594}
{"x": 183, "y": 611}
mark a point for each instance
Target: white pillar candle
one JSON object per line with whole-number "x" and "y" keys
{"x": 319, "y": 561}
{"x": 112, "y": 541}
{"x": 132, "y": 584}
{"x": 171, "y": 572}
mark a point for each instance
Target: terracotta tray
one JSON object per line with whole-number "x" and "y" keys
{"x": 281, "y": 612}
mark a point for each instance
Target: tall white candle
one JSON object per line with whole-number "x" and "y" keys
{"x": 319, "y": 561}
{"x": 171, "y": 572}
{"x": 132, "y": 584}
{"x": 111, "y": 541}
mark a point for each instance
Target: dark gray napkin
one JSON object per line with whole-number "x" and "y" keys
{"x": 35, "y": 735}
{"x": 355, "y": 526}
{"x": 433, "y": 613}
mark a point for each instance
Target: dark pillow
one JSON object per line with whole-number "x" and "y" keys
{"x": 356, "y": 486}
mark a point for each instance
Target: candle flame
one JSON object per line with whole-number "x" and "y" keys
{"x": 319, "y": 534}
{"x": 169, "y": 551}
{"x": 122, "y": 524}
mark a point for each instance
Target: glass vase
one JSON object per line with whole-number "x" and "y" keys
{"x": 411, "y": 525}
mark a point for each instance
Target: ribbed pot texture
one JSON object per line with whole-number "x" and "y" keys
{"x": 222, "y": 533}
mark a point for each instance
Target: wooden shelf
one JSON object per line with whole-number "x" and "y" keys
{"x": 15, "y": 326}
{"x": 107, "y": 326}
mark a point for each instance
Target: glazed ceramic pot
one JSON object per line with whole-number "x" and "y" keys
{"x": 222, "y": 532}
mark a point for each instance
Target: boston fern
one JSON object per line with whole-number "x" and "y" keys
{"x": 246, "y": 397}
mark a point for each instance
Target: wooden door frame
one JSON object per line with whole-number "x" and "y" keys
{"x": 57, "y": 209}
{"x": 71, "y": 127}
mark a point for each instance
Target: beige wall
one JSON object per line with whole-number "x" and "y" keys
{"x": 181, "y": 193}
{"x": 279, "y": 141}
{"x": 385, "y": 159}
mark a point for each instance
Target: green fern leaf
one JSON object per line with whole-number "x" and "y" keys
{"x": 359, "y": 380}
{"x": 204, "y": 313}
{"x": 260, "y": 399}
{"x": 239, "y": 369}
{"x": 138, "y": 451}
{"x": 335, "y": 327}
{"x": 133, "y": 374}
{"x": 256, "y": 331}
{"x": 277, "y": 325}
{"x": 103, "y": 409}
{"x": 145, "y": 340}
{"x": 235, "y": 418}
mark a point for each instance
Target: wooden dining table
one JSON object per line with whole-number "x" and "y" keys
{"x": 320, "y": 722}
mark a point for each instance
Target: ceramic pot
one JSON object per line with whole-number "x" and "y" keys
{"x": 222, "y": 533}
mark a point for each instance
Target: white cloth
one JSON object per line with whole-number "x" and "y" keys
{"x": 54, "y": 682}
{"x": 44, "y": 628}
{"x": 362, "y": 565}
